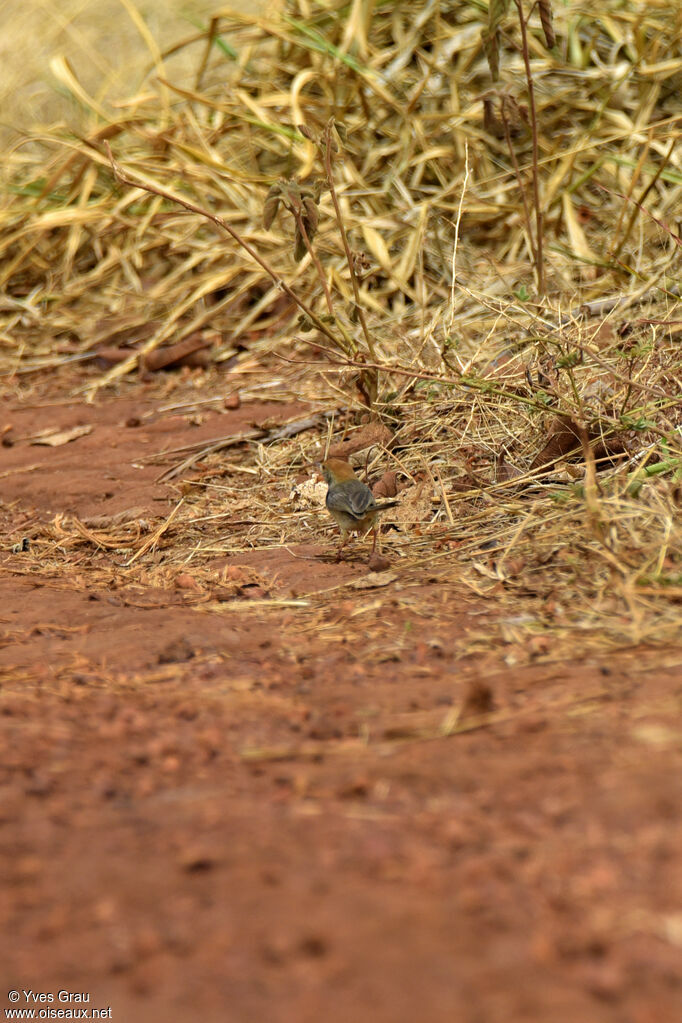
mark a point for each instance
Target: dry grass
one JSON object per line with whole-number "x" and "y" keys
{"x": 534, "y": 411}
{"x": 111, "y": 46}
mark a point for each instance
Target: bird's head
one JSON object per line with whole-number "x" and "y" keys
{"x": 336, "y": 470}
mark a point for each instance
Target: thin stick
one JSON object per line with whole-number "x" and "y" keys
{"x": 313, "y": 255}
{"x": 522, "y": 190}
{"x": 456, "y": 243}
{"x": 540, "y": 262}
{"x": 339, "y": 220}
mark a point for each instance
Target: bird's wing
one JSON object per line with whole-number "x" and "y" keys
{"x": 353, "y": 498}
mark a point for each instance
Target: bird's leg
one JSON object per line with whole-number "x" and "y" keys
{"x": 344, "y": 541}
{"x": 374, "y": 545}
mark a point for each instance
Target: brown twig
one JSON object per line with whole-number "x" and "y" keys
{"x": 327, "y": 150}
{"x": 539, "y": 256}
{"x": 296, "y": 213}
{"x": 517, "y": 171}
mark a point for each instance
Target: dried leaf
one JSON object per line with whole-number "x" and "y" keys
{"x": 60, "y": 437}
{"x": 496, "y": 12}
{"x": 492, "y": 124}
{"x": 271, "y": 205}
{"x": 564, "y": 438}
{"x": 486, "y": 571}
{"x": 367, "y": 384}
{"x": 128, "y": 515}
{"x": 179, "y": 354}
{"x": 377, "y": 246}
{"x": 270, "y": 208}
{"x": 367, "y": 437}
{"x": 577, "y": 238}
{"x": 386, "y": 487}
{"x": 300, "y": 247}
{"x": 478, "y": 699}
{"x": 491, "y": 45}
{"x": 373, "y": 580}
{"x": 305, "y": 324}
{"x": 311, "y": 218}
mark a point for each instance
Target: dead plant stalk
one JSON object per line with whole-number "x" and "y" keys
{"x": 539, "y": 253}
{"x": 344, "y": 237}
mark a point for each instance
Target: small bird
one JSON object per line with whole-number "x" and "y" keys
{"x": 350, "y": 501}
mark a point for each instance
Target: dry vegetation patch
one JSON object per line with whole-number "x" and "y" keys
{"x": 455, "y": 221}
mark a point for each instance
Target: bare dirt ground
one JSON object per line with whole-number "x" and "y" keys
{"x": 292, "y": 799}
